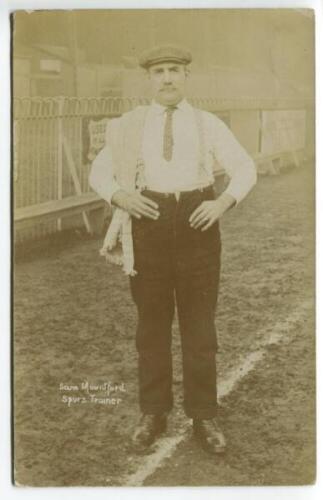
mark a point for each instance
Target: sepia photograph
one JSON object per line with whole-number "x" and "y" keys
{"x": 163, "y": 247}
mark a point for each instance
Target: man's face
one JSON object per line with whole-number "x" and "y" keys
{"x": 168, "y": 82}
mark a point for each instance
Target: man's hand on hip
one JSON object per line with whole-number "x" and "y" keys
{"x": 208, "y": 212}
{"x": 135, "y": 204}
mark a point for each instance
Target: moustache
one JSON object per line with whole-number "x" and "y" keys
{"x": 168, "y": 87}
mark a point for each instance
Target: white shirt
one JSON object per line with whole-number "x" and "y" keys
{"x": 182, "y": 172}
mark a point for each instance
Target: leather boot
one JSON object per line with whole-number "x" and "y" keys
{"x": 148, "y": 429}
{"x": 208, "y": 432}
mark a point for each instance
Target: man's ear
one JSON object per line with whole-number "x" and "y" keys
{"x": 187, "y": 70}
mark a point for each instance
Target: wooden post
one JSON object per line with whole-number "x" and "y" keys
{"x": 73, "y": 48}
{"x": 76, "y": 181}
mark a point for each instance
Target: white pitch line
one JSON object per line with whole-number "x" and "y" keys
{"x": 166, "y": 446}
{"x": 235, "y": 375}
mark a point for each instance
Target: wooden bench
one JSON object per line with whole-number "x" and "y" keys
{"x": 89, "y": 204}
{"x": 27, "y": 217}
{"x": 273, "y": 163}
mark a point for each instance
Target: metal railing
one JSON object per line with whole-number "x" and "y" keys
{"x": 43, "y": 125}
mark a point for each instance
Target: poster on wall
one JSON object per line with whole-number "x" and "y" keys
{"x": 283, "y": 131}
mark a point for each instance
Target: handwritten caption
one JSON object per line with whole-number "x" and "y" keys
{"x": 106, "y": 393}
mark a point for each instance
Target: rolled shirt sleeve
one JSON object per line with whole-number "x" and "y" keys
{"x": 101, "y": 177}
{"x": 234, "y": 159}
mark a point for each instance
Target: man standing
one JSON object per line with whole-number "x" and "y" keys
{"x": 158, "y": 169}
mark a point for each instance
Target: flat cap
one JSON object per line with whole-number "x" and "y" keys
{"x": 164, "y": 53}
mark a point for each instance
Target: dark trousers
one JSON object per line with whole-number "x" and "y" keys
{"x": 176, "y": 263}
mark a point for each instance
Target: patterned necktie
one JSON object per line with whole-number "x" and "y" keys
{"x": 168, "y": 133}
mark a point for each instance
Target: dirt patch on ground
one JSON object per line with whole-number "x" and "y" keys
{"x": 74, "y": 322}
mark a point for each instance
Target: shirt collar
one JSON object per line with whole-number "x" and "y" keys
{"x": 157, "y": 108}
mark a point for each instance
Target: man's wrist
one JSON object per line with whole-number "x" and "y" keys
{"x": 226, "y": 200}
{"x": 118, "y": 198}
